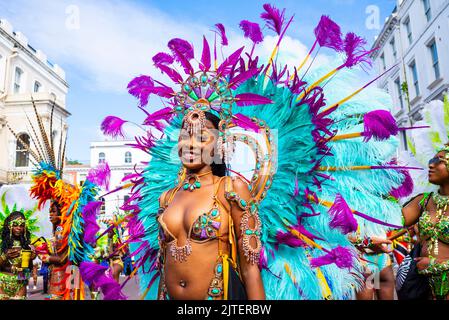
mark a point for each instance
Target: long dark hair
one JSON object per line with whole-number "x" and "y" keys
{"x": 218, "y": 169}
{"x": 7, "y": 239}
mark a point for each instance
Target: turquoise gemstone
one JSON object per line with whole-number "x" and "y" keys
{"x": 197, "y": 184}
{"x": 204, "y": 79}
{"x": 215, "y": 291}
{"x": 186, "y": 186}
{"x": 214, "y": 213}
{"x": 258, "y": 165}
{"x": 210, "y": 298}
{"x": 220, "y": 133}
{"x": 187, "y": 87}
{"x": 204, "y": 220}
{"x": 261, "y": 123}
{"x": 243, "y": 202}
{"x": 248, "y": 232}
{"x": 219, "y": 268}
{"x": 250, "y": 187}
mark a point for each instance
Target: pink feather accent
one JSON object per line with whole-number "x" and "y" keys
{"x": 244, "y": 122}
{"x": 100, "y": 175}
{"x": 274, "y": 17}
{"x": 342, "y": 216}
{"x": 342, "y": 257}
{"x": 380, "y": 125}
{"x": 251, "y": 30}
{"x": 251, "y": 99}
{"x": 205, "y": 57}
{"x": 225, "y": 68}
{"x": 222, "y": 33}
{"x": 406, "y": 187}
{"x": 90, "y": 212}
{"x": 328, "y": 34}
{"x": 113, "y": 126}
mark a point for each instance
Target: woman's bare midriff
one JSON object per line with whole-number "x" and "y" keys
{"x": 443, "y": 250}
{"x": 190, "y": 280}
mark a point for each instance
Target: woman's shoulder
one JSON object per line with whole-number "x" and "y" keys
{"x": 419, "y": 200}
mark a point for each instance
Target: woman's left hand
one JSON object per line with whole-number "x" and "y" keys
{"x": 422, "y": 263}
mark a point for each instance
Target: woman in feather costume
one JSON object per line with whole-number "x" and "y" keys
{"x": 323, "y": 155}
{"x": 73, "y": 208}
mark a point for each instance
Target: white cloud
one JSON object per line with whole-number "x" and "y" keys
{"x": 115, "y": 41}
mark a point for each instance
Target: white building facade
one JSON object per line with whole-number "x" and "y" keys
{"x": 415, "y": 42}
{"x": 122, "y": 160}
{"x": 25, "y": 73}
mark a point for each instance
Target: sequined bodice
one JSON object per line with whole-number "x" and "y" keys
{"x": 438, "y": 230}
{"x": 204, "y": 228}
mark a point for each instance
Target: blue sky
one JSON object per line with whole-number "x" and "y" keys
{"x": 103, "y": 44}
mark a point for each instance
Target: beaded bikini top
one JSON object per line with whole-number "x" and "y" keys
{"x": 203, "y": 229}
{"x": 434, "y": 230}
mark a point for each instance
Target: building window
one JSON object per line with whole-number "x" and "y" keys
{"x": 17, "y": 79}
{"x": 427, "y": 9}
{"x": 101, "y": 157}
{"x": 393, "y": 49}
{"x": 435, "y": 61}
{"x": 408, "y": 29}
{"x": 404, "y": 139}
{"x": 415, "y": 77}
{"x": 22, "y": 154}
{"x": 397, "y": 83}
{"x": 128, "y": 157}
{"x": 37, "y": 86}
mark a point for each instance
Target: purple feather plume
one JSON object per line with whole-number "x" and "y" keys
{"x": 100, "y": 175}
{"x": 289, "y": 239}
{"x": 97, "y": 275}
{"x": 328, "y": 34}
{"x": 91, "y": 227}
{"x": 341, "y": 256}
{"x": 342, "y": 216}
{"x": 244, "y": 122}
{"x": 251, "y": 99}
{"x": 113, "y": 126}
{"x": 238, "y": 80}
{"x": 355, "y": 51}
{"x": 226, "y": 67}
{"x": 274, "y": 18}
{"x": 251, "y": 30}
{"x": 205, "y": 57}
{"x": 181, "y": 47}
{"x": 153, "y": 119}
{"x": 222, "y": 33}
{"x": 406, "y": 188}
{"x": 141, "y": 87}
{"x": 380, "y": 125}
{"x": 163, "y": 58}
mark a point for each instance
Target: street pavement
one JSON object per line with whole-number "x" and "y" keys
{"x": 131, "y": 289}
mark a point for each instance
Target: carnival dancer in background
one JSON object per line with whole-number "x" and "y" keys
{"x": 16, "y": 257}
{"x": 430, "y": 212}
{"x": 323, "y": 147}
{"x": 73, "y": 210}
{"x": 55, "y": 257}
